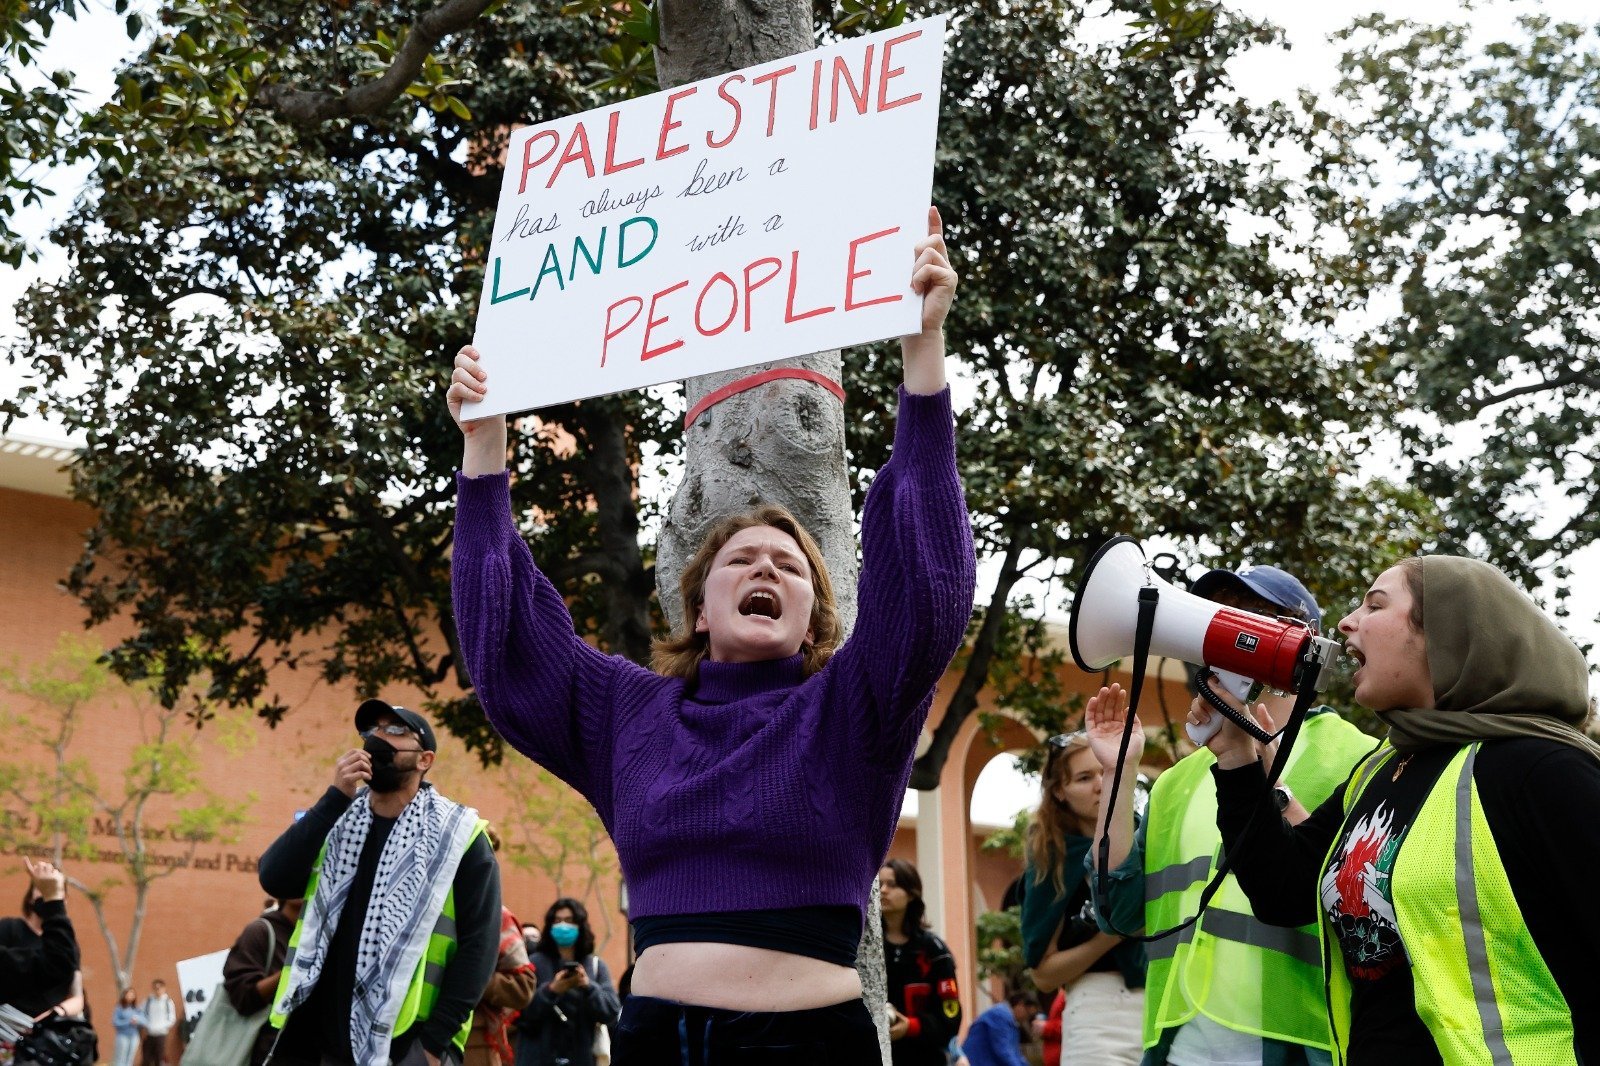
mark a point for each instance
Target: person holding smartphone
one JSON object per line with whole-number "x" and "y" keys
{"x": 50, "y": 957}
{"x": 575, "y": 997}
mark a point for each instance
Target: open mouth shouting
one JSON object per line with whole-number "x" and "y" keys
{"x": 1358, "y": 655}
{"x": 762, "y": 603}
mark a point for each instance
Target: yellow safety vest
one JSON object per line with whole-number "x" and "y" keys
{"x": 423, "y": 992}
{"x": 1482, "y": 988}
{"x": 1242, "y": 973}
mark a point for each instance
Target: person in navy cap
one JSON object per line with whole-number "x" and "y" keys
{"x": 1236, "y": 990}
{"x": 401, "y": 925}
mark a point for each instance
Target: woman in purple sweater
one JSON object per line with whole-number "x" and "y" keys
{"x": 752, "y": 785}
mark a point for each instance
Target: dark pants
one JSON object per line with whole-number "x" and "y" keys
{"x": 153, "y": 1050}
{"x": 658, "y": 1032}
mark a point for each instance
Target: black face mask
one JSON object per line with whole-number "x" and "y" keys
{"x": 386, "y": 776}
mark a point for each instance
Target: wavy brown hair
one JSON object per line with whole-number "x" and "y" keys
{"x": 1053, "y": 820}
{"x": 680, "y": 654}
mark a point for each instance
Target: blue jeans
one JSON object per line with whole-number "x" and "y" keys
{"x": 126, "y": 1045}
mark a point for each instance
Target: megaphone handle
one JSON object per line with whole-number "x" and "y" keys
{"x": 1216, "y": 703}
{"x": 1202, "y": 733}
{"x": 1290, "y": 733}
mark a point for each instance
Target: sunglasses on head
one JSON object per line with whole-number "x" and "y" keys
{"x": 1062, "y": 741}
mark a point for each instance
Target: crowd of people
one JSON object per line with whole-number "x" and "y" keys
{"x": 1418, "y": 900}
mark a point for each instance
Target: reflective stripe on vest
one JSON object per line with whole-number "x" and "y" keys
{"x": 1246, "y": 975}
{"x": 1299, "y": 944}
{"x": 1481, "y": 986}
{"x": 423, "y": 991}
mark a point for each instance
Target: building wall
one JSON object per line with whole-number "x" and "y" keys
{"x": 202, "y": 907}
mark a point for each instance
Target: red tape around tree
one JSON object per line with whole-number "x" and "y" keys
{"x": 716, "y": 396}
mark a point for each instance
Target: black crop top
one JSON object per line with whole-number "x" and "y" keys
{"x": 829, "y": 933}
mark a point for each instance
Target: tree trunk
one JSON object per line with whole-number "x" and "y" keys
{"x": 782, "y": 442}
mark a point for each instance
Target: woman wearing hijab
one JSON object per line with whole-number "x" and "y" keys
{"x": 1101, "y": 974}
{"x": 1453, "y": 874}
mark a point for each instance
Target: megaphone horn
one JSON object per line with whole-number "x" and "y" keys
{"x": 1280, "y": 653}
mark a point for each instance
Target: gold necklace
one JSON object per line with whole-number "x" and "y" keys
{"x": 1400, "y": 766}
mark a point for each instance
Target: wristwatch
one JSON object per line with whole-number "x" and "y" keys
{"x": 1281, "y": 796}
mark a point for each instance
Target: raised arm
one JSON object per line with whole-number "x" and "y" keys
{"x": 547, "y": 691}
{"x": 1104, "y": 718}
{"x": 917, "y": 566}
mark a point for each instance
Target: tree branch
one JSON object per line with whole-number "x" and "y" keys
{"x": 927, "y": 768}
{"x": 308, "y": 107}
{"x": 1587, "y": 378}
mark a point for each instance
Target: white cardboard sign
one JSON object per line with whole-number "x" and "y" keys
{"x": 754, "y": 216}
{"x": 198, "y": 978}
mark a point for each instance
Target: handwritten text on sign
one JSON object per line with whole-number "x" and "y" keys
{"x": 754, "y": 216}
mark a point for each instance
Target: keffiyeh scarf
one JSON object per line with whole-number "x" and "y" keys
{"x": 414, "y": 874}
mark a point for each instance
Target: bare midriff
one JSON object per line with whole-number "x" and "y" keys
{"x": 735, "y": 977}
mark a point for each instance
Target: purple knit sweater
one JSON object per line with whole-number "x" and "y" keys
{"x": 753, "y": 787}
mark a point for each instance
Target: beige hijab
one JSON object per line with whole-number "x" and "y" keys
{"x": 1501, "y": 667}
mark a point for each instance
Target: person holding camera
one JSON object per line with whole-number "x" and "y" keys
{"x": 1102, "y": 974}
{"x": 575, "y": 996}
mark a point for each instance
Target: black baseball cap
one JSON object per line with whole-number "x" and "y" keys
{"x": 367, "y": 716}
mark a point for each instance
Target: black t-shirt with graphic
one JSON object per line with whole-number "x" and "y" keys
{"x": 1358, "y": 897}
{"x": 1538, "y": 799}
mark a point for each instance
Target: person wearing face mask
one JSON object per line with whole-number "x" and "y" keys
{"x": 1452, "y": 874}
{"x": 575, "y": 994}
{"x": 1102, "y": 974}
{"x": 400, "y": 930}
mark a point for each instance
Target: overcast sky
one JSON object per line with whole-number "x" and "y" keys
{"x": 96, "y": 45}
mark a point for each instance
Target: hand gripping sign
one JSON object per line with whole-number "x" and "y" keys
{"x": 750, "y": 217}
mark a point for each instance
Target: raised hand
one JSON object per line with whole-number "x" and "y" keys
{"x": 1103, "y": 720}
{"x": 50, "y": 882}
{"x": 352, "y": 770}
{"x": 483, "y": 439}
{"x": 932, "y": 276}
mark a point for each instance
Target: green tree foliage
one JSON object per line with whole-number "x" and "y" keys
{"x": 1483, "y": 166}
{"x": 551, "y": 829}
{"x": 39, "y": 109}
{"x": 272, "y": 268}
{"x": 264, "y": 305}
{"x": 53, "y": 800}
{"x": 1144, "y": 314}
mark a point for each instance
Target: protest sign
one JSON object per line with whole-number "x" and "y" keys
{"x": 754, "y": 216}
{"x": 198, "y": 978}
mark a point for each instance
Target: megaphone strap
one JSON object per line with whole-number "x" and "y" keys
{"x": 1148, "y": 598}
